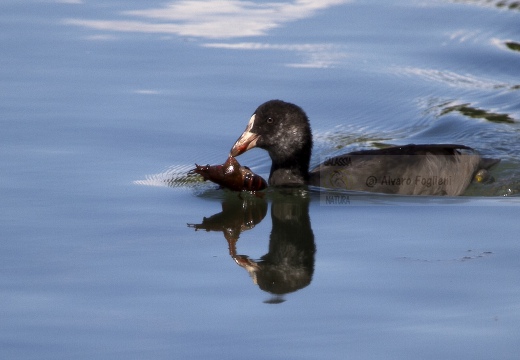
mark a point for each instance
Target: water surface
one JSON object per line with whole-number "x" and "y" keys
{"x": 102, "y": 101}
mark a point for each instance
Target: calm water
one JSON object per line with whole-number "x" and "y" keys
{"x": 101, "y": 103}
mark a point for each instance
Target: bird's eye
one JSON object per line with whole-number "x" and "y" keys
{"x": 269, "y": 120}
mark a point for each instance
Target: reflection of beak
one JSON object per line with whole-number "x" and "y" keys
{"x": 250, "y": 265}
{"x": 246, "y": 141}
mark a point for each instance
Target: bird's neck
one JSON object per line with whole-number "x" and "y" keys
{"x": 292, "y": 170}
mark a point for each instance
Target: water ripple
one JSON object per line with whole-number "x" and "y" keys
{"x": 211, "y": 19}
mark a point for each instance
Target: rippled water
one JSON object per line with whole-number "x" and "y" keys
{"x": 106, "y": 103}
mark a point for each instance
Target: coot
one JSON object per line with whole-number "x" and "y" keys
{"x": 283, "y": 130}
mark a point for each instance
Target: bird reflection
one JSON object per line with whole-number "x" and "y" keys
{"x": 288, "y": 265}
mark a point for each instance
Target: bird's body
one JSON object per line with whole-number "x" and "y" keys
{"x": 283, "y": 129}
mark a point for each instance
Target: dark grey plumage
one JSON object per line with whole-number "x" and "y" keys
{"x": 283, "y": 129}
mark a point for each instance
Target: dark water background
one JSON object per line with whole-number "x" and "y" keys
{"x": 101, "y": 102}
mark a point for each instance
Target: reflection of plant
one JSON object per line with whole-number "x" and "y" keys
{"x": 502, "y": 4}
{"x": 237, "y": 215}
{"x": 514, "y": 5}
{"x": 513, "y": 45}
{"x": 475, "y": 113}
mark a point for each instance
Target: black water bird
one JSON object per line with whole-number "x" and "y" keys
{"x": 283, "y": 129}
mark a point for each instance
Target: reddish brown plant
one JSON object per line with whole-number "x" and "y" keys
{"x": 231, "y": 175}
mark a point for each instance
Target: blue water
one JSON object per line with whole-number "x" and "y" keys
{"x": 103, "y": 102}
